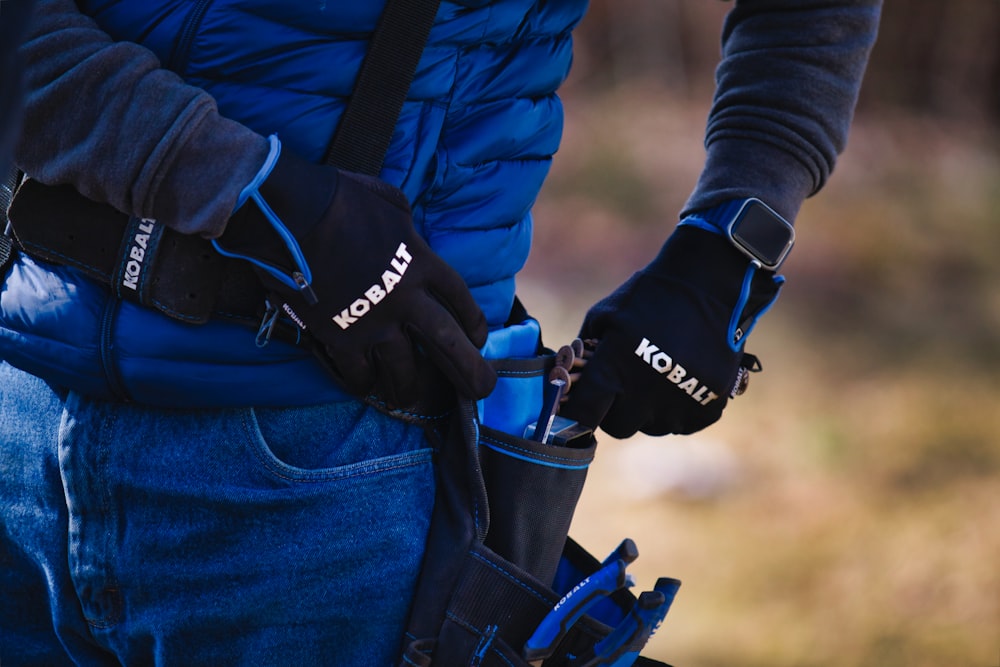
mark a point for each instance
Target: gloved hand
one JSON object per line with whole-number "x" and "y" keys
{"x": 338, "y": 254}
{"x": 671, "y": 338}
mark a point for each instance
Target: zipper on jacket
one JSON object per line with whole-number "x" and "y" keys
{"x": 178, "y": 59}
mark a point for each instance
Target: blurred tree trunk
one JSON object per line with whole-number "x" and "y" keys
{"x": 933, "y": 57}
{"x": 941, "y": 58}
{"x": 674, "y": 42}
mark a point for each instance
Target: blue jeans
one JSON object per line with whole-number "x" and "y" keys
{"x": 237, "y": 537}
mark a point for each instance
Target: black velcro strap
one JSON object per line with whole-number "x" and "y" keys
{"x": 59, "y": 225}
{"x": 490, "y": 586}
{"x": 366, "y": 128}
{"x": 141, "y": 260}
{"x": 177, "y": 274}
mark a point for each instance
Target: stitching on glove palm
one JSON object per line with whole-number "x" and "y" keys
{"x": 671, "y": 339}
{"x": 339, "y": 253}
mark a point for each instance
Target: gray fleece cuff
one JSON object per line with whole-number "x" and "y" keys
{"x": 741, "y": 168}
{"x": 206, "y": 174}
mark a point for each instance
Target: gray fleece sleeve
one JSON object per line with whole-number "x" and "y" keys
{"x": 786, "y": 89}
{"x": 104, "y": 117}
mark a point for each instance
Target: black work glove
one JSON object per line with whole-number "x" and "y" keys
{"x": 382, "y": 305}
{"x": 670, "y": 351}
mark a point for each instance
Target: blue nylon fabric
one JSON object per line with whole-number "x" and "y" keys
{"x": 515, "y": 401}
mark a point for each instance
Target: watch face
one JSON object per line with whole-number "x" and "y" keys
{"x": 762, "y": 233}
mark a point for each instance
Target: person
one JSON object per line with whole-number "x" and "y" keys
{"x": 265, "y": 513}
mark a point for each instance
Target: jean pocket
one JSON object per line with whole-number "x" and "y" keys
{"x": 334, "y": 441}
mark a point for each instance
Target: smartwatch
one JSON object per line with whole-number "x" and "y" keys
{"x": 761, "y": 234}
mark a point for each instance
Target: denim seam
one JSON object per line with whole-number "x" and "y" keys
{"x": 406, "y": 415}
{"x": 412, "y": 460}
{"x": 106, "y": 559}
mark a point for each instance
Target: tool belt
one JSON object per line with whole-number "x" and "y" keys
{"x": 502, "y": 584}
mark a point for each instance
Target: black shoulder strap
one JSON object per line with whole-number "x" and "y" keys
{"x": 362, "y": 138}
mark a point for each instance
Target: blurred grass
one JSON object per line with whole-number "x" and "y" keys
{"x": 857, "y": 522}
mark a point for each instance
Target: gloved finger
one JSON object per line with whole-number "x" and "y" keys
{"x": 623, "y": 420}
{"x": 594, "y": 392}
{"x": 451, "y": 291}
{"x": 352, "y": 369}
{"x": 395, "y": 372}
{"x": 665, "y": 418}
{"x": 451, "y": 351}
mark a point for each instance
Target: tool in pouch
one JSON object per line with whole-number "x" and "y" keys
{"x": 621, "y": 647}
{"x": 550, "y": 427}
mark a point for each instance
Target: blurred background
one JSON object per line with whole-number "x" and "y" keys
{"x": 846, "y": 510}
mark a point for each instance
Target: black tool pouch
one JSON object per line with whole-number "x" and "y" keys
{"x": 498, "y": 558}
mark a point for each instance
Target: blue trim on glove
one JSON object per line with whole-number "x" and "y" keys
{"x": 737, "y": 334}
{"x": 252, "y": 191}
{"x": 716, "y": 220}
